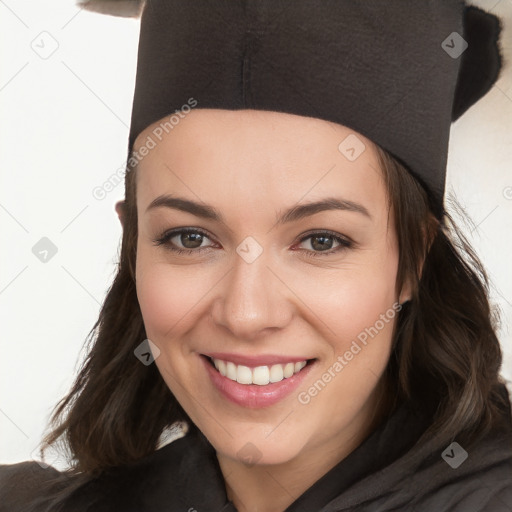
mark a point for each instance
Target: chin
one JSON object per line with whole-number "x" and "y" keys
{"x": 258, "y": 448}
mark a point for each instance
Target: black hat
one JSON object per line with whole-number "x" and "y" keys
{"x": 398, "y": 72}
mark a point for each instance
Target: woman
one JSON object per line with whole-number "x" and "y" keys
{"x": 290, "y": 288}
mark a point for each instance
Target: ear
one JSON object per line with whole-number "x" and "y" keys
{"x": 120, "y": 205}
{"x": 405, "y": 292}
{"x": 429, "y": 234}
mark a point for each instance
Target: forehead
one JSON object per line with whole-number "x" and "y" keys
{"x": 257, "y": 155}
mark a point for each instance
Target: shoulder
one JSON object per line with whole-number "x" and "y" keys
{"x": 33, "y": 487}
{"x": 476, "y": 477}
{"x": 21, "y": 483}
{"x": 179, "y": 476}
{"x": 24, "y": 486}
{"x": 486, "y": 490}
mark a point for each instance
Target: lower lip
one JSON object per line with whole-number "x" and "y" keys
{"x": 254, "y": 396}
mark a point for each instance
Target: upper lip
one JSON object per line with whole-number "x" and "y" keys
{"x": 253, "y": 360}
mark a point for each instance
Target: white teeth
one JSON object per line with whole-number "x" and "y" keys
{"x": 299, "y": 366}
{"x": 243, "y": 375}
{"x": 276, "y": 373}
{"x": 231, "y": 370}
{"x": 261, "y": 375}
{"x": 289, "y": 369}
{"x": 222, "y": 367}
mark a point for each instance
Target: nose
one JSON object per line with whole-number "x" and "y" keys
{"x": 252, "y": 300}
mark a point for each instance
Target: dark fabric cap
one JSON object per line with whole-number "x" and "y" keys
{"x": 399, "y": 72}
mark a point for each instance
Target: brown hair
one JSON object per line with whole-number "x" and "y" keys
{"x": 446, "y": 352}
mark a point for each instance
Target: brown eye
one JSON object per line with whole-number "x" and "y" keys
{"x": 322, "y": 243}
{"x": 190, "y": 240}
{"x": 185, "y": 240}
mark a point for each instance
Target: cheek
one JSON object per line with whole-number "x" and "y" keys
{"x": 351, "y": 300}
{"x": 366, "y": 315}
{"x": 158, "y": 301}
{"x": 167, "y": 295}
{"x": 357, "y": 310}
{"x": 361, "y": 304}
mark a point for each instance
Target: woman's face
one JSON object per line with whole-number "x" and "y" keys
{"x": 266, "y": 281}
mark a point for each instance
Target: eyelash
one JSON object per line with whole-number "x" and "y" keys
{"x": 164, "y": 239}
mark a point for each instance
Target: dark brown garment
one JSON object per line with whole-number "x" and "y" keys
{"x": 386, "y": 473}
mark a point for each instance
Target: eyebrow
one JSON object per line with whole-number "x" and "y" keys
{"x": 293, "y": 214}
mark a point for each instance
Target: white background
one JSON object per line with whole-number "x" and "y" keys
{"x": 64, "y": 131}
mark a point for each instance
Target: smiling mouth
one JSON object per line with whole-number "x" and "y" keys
{"x": 259, "y": 375}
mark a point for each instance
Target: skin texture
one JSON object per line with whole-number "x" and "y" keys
{"x": 251, "y": 166}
